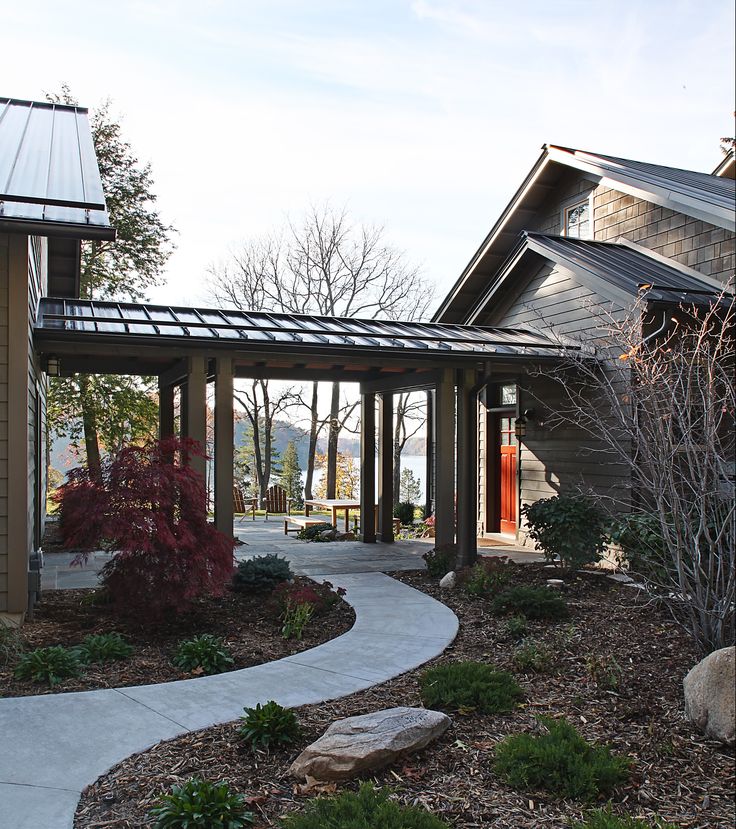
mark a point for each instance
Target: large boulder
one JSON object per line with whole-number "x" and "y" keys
{"x": 358, "y": 744}
{"x": 709, "y": 695}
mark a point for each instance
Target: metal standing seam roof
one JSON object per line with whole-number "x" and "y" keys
{"x": 82, "y": 319}
{"x": 48, "y": 167}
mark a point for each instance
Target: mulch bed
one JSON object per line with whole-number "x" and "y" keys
{"x": 248, "y": 624}
{"x": 676, "y": 773}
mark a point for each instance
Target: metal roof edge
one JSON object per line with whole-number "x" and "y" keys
{"x": 4, "y": 99}
{"x": 728, "y": 160}
{"x": 34, "y": 227}
{"x": 678, "y": 266}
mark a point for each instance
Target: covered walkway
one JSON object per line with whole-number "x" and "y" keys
{"x": 186, "y": 348}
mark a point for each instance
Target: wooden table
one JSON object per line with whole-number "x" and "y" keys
{"x": 335, "y": 505}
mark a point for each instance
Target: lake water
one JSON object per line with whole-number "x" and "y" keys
{"x": 416, "y": 463}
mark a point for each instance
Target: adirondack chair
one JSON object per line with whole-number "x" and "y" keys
{"x": 243, "y": 505}
{"x": 276, "y": 501}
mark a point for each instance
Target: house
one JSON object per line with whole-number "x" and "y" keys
{"x": 577, "y": 240}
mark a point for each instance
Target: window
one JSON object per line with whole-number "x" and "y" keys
{"x": 576, "y": 221}
{"x": 508, "y": 395}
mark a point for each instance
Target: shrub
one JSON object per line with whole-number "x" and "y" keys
{"x": 261, "y": 573}
{"x": 639, "y": 535}
{"x": 11, "y": 644}
{"x": 269, "y": 725}
{"x": 531, "y": 657}
{"x": 440, "y": 560}
{"x": 560, "y": 762}
{"x": 368, "y": 808}
{"x": 532, "y": 602}
{"x": 487, "y": 576}
{"x": 104, "y": 647}
{"x": 150, "y": 507}
{"x": 312, "y": 532}
{"x": 517, "y": 627}
{"x": 49, "y": 665}
{"x": 404, "y": 511}
{"x": 567, "y": 528}
{"x": 606, "y": 819}
{"x": 322, "y": 597}
{"x": 201, "y": 804}
{"x": 605, "y": 672}
{"x": 204, "y": 654}
{"x": 295, "y": 618}
{"x": 469, "y": 686}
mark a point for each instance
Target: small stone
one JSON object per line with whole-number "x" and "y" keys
{"x": 709, "y": 695}
{"x": 555, "y": 584}
{"x": 448, "y": 581}
{"x": 328, "y": 535}
{"x": 371, "y": 741}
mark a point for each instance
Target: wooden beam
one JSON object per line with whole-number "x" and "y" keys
{"x": 467, "y": 469}
{"x": 165, "y": 410}
{"x": 368, "y": 468}
{"x": 444, "y": 471}
{"x": 429, "y": 458}
{"x": 409, "y": 381}
{"x": 224, "y": 439}
{"x": 174, "y": 375}
{"x": 386, "y": 467}
{"x": 194, "y": 410}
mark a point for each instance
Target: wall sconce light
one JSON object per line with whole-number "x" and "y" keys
{"x": 520, "y": 424}
{"x": 53, "y": 366}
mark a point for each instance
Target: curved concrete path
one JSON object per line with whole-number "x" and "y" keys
{"x": 56, "y": 744}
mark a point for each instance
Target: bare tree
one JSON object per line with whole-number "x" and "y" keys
{"x": 663, "y": 406}
{"x": 409, "y": 417}
{"x": 324, "y": 265}
{"x": 262, "y": 409}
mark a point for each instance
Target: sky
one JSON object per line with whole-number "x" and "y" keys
{"x": 422, "y": 116}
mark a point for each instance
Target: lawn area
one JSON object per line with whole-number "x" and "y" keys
{"x": 613, "y": 669}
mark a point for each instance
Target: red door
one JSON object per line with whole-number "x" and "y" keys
{"x": 507, "y": 483}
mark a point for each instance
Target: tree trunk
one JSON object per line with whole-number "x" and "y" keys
{"x": 313, "y": 430}
{"x": 267, "y": 439}
{"x": 89, "y": 421}
{"x": 332, "y": 437}
{"x": 397, "y": 457}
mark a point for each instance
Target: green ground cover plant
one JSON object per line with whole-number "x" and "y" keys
{"x": 261, "y": 573}
{"x": 269, "y": 725}
{"x": 605, "y": 671}
{"x": 530, "y": 656}
{"x": 517, "y": 627}
{"x": 560, "y": 762}
{"x": 487, "y": 576}
{"x": 198, "y": 804}
{"x": 606, "y": 819}
{"x": 295, "y": 618}
{"x": 204, "y": 654}
{"x": 569, "y": 529}
{"x": 49, "y": 665}
{"x": 440, "y": 560}
{"x": 469, "y": 686}
{"x": 368, "y": 808}
{"x": 104, "y": 647}
{"x": 532, "y": 602}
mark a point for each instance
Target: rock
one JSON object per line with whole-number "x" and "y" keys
{"x": 358, "y": 744}
{"x": 328, "y": 535}
{"x": 448, "y": 581}
{"x": 709, "y": 695}
{"x": 345, "y": 537}
{"x": 555, "y": 584}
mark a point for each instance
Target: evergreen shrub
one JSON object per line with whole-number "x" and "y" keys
{"x": 469, "y": 686}
{"x": 570, "y": 529}
{"x": 368, "y": 808}
{"x": 261, "y": 573}
{"x": 531, "y": 602}
{"x": 560, "y": 762}
{"x": 404, "y": 511}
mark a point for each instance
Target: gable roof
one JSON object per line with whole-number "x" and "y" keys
{"x": 703, "y": 196}
{"x": 49, "y": 179}
{"x": 629, "y": 270}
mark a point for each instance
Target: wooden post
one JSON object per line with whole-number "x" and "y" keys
{"x": 386, "y": 467}
{"x": 444, "y": 471}
{"x": 194, "y": 405}
{"x": 467, "y": 470}
{"x": 165, "y": 410}
{"x": 368, "y": 468}
{"x": 429, "y": 459}
{"x": 224, "y": 439}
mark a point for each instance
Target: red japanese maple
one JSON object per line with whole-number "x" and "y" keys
{"x": 151, "y": 509}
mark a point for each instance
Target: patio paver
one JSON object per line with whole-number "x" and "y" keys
{"x": 63, "y": 742}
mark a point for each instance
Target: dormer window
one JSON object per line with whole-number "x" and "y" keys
{"x": 576, "y": 220}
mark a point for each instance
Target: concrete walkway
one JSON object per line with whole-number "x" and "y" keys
{"x": 59, "y": 743}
